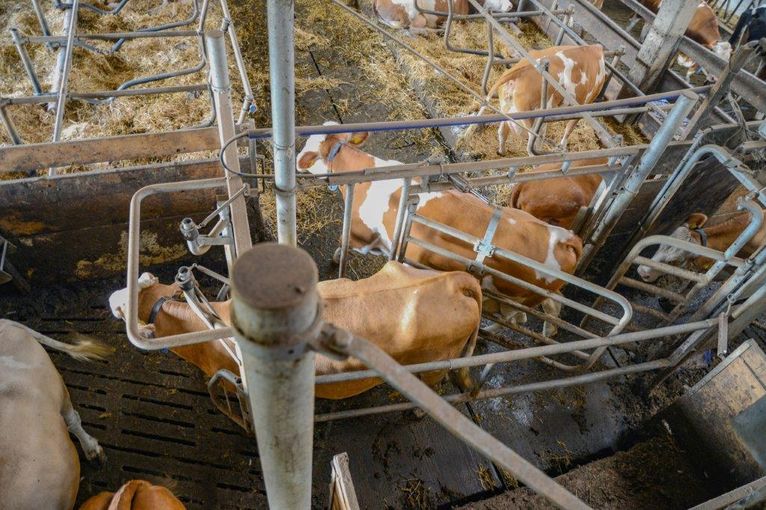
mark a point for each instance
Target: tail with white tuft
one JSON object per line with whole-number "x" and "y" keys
{"x": 84, "y": 349}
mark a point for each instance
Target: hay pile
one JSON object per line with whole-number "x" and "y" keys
{"x": 93, "y": 71}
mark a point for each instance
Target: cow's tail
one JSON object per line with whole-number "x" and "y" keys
{"x": 505, "y": 78}
{"x": 84, "y": 349}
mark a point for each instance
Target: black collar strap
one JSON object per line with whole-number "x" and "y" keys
{"x": 157, "y": 307}
{"x": 703, "y": 236}
{"x": 334, "y": 150}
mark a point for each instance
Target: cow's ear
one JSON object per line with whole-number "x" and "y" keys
{"x": 359, "y": 138}
{"x": 307, "y": 160}
{"x": 696, "y": 220}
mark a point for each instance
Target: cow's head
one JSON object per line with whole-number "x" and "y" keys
{"x": 150, "y": 290}
{"x": 672, "y": 255}
{"x": 498, "y": 5}
{"x": 320, "y": 150}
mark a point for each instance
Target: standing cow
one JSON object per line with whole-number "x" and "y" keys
{"x": 718, "y": 237}
{"x": 580, "y": 70}
{"x": 558, "y": 200}
{"x": 374, "y": 214}
{"x": 405, "y": 14}
{"x": 414, "y": 315}
{"x": 39, "y": 467}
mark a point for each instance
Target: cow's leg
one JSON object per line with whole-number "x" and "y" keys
{"x": 567, "y": 131}
{"x": 553, "y": 308}
{"x": 90, "y": 446}
{"x": 502, "y": 137}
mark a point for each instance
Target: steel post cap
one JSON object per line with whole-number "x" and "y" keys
{"x": 273, "y": 276}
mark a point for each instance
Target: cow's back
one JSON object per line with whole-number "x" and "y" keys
{"x": 517, "y": 231}
{"x": 414, "y": 315}
{"x": 39, "y": 459}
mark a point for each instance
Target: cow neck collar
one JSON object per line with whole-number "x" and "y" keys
{"x": 703, "y": 236}
{"x": 157, "y": 307}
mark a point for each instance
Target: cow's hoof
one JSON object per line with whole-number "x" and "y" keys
{"x": 336, "y": 256}
{"x": 96, "y": 455}
{"x": 550, "y": 330}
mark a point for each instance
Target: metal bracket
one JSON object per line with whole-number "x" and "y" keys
{"x": 224, "y": 405}
{"x": 485, "y": 248}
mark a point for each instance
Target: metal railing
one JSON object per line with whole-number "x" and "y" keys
{"x": 59, "y": 97}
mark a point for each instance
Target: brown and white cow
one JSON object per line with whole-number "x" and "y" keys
{"x": 135, "y": 495}
{"x": 718, "y": 237}
{"x": 404, "y": 13}
{"x": 559, "y": 200}
{"x": 580, "y": 70}
{"x": 414, "y": 315}
{"x": 39, "y": 466}
{"x": 375, "y": 208}
{"x": 703, "y": 28}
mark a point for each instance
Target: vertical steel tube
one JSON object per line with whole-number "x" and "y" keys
{"x": 63, "y": 76}
{"x": 275, "y": 310}
{"x": 633, "y": 183}
{"x": 403, "y": 198}
{"x": 221, "y": 87}
{"x": 282, "y": 79}
{"x": 348, "y": 208}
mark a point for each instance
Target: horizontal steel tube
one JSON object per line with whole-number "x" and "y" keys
{"x": 668, "y": 269}
{"x": 531, "y": 352}
{"x": 652, "y": 289}
{"x": 466, "y": 120}
{"x": 500, "y": 392}
{"x": 46, "y": 98}
{"x": 57, "y": 39}
{"x": 539, "y": 267}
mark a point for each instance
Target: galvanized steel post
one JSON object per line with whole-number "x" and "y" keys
{"x": 632, "y": 185}
{"x": 275, "y": 311}
{"x": 282, "y": 80}
{"x": 221, "y": 87}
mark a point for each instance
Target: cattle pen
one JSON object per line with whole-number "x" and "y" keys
{"x": 169, "y": 138}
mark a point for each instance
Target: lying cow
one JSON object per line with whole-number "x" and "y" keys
{"x": 39, "y": 466}
{"x": 703, "y": 28}
{"x": 374, "y": 216}
{"x": 414, "y": 315}
{"x": 718, "y": 237}
{"x": 559, "y": 200}
{"x": 135, "y": 495}
{"x": 404, "y": 14}
{"x": 580, "y": 70}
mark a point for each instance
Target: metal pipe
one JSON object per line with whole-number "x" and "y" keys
{"x": 615, "y": 209}
{"x": 63, "y": 78}
{"x": 105, "y": 94}
{"x": 244, "y": 79}
{"x": 108, "y": 36}
{"x": 275, "y": 311}
{"x": 134, "y": 227}
{"x": 26, "y": 61}
{"x": 9, "y": 127}
{"x": 456, "y": 422}
{"x": 280, "y": 15}
{"x": 501, "y": 392}
{"x": 400, "y": 212}
{"x": 531, "y": 352}
{"x": 348, "y": 209}
{"x": 221, "y": 88}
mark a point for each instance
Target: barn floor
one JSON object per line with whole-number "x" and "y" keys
{"x": 152, "y": 414}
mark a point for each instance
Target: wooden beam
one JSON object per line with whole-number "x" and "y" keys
{"x": 30, "y": 157}
{"x": 661, "y": 43}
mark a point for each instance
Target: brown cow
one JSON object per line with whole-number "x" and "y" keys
{"x": 703, "y": 28}
{"x": 374, "y": 214}
{"x": 135, "y": 495}
{"x": 414, "y": 315}
{"x": 718, "y": 237}
{"x": 559, "y": 200}
{"x": 39, "y": 466}
{"x": 404, "y": 13}
{"x": 580, "y": 71}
